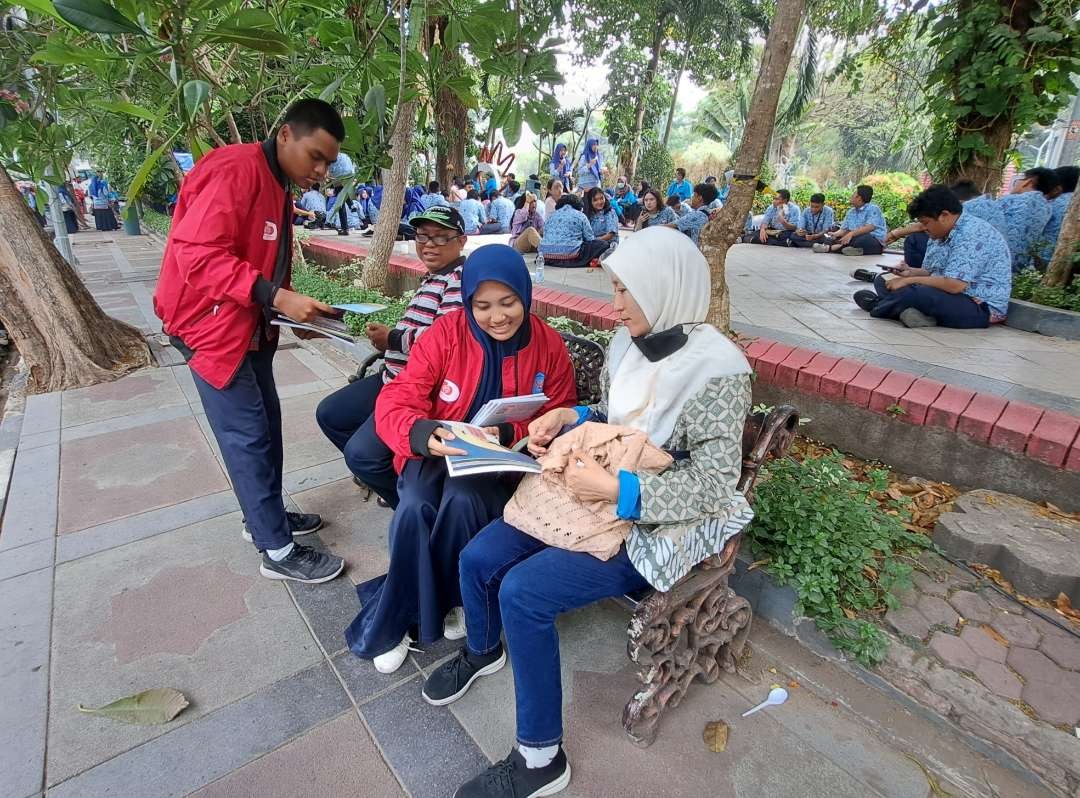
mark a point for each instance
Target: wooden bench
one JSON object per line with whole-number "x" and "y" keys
{"x": 700, "y": 626}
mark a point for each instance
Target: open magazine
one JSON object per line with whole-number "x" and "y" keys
{"x": 483, "y": 453}
{"x": 332, "y": 327}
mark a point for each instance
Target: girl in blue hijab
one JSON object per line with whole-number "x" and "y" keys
{"x": 369, "y": 211}
{"x": 493, "y": 348}
{"x": 561, "y": 168}
{"x": 590, "y": 165}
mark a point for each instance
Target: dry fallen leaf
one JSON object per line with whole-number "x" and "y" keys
{"x": 715, "y": 736}
{"x": 996, "y": 635}
{"x": 148, "y": 708}
{"x": 757, "y": 564}
{"x": 793, "y": 685}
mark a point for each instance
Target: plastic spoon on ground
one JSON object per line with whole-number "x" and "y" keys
{"x": 777, "y": 696}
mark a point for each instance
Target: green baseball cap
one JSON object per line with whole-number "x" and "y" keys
{"x": 441, "y": 215}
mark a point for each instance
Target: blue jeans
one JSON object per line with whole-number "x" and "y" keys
{"x": 951, "y": 310}
{"x": 513, "y": 581}
{"x": 347, "y": 418}
{"x": 245, "y": 417}
{"x": 915, "y": 249}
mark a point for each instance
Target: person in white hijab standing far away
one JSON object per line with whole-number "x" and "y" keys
{"x": 687, "y": 386}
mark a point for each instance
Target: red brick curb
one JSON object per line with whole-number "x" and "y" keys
{"x": 1049, "y": 436}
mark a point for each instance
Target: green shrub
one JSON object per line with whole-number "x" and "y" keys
{"x": 310, "y": 281}
{"x": 897, "y": 182}
{"x": 567, "y": 325}
{"x": 893, "y": 205}
{"x": 1027, "y": 285}
{"x": 158, "y": 222}
{"x": 656, "y": 166}
{"x": 840, "y": 542}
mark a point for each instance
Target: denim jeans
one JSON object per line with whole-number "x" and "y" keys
{"x": 512, "y": 581}
{"x": 915, "y": 249}
{"x": 347, "y": 418}
{"x": 951, "y": 310}
{"x": 245, "y": 417}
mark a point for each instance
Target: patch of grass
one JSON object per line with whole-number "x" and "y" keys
{"x": 311, "y": 281}
{"x": 1027, "y": 285}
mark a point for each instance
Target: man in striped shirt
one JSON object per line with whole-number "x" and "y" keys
{"x": 346, "y": 416}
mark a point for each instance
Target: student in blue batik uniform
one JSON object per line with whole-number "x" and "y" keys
{"x": 817, "y": 220}
{"x": 696, "y": 218}
{"x": 863, "y": 230}
{"x": 1027, "y": 211}
{"x": 1059, "y": 204}
{"x": 781, "y": 219}
{"x": 680, "y": 187}
{"x": 966, "y": 277}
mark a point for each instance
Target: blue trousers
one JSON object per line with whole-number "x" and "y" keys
{"x": 436, "y": 517}
{"x": 245, "y": 417}
{"x": 951, "y": 310}
{"x": 915, "y": 249}
{"x": 512, "y": 581}
{"x": 347, "y": 418}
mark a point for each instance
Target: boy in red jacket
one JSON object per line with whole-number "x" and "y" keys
{"x": 224, "y": 277}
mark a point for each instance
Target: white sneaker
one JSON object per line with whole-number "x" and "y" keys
{"x": 453, "y": 625}
{"x": 394, "y": 658}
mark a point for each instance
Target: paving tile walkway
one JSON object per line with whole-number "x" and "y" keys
{"x": 803, "y": 298}
{"x": 122, "y": 569}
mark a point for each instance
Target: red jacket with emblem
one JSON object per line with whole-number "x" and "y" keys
{"x": 224, "y": 238}
{"x": 444, "y": 370}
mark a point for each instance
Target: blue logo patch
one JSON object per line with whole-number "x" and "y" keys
{"x": 538, "y": 382}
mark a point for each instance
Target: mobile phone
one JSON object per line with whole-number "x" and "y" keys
{"x": 889, "y": 269}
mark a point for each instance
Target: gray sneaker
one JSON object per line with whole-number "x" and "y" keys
{"x": 303, "y": 564}
{"x": 851, "y": 251}
{"x": 821, "y": 247}
{"x": 916, "y": 318}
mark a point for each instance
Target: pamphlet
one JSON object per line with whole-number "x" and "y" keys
{"x": 483, "y": 454}
{"x": 360, "y": 308}
{"x": 332, "y": 328}
{"x": 509, "y": 409}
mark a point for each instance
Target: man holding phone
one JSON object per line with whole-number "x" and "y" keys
{"x": 224, "y": 278}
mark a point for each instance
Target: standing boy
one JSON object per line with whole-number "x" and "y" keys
{"x": 224, "y": 277}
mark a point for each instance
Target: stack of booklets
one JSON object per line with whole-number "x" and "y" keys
{"x": 331, "y": 326}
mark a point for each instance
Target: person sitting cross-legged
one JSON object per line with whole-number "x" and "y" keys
{"x": 625, "y": 202}
{"x": 966, "y": 277}
{"x": 686, "y": 386}
{"x": 433, "y": 196}
{"x": 696, "y": 218}
{"x": 492, "y": 348}
{"x": 654, "y": 211}
{"x": 978, "y": 204}
{"x": 1059, "y": 204}
{"x": 814, "y": 223}
{"x": 1027, "y": 211}
{"x": 527, "y": 226}
{"x": 678, "y": 207}
{"x": 500, "y": 213}
{"x": 863, "y": 230}
{"x": 602, "y": 216}
{"x": 569, "y": 240}
{"x": 780, "y": 222}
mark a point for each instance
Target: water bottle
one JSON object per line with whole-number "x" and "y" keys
{"x": 539, "y": 269}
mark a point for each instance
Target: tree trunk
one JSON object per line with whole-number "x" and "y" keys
{"x": 675, "y": 94}
{"x": 985, "y": 170}
{"x": 382, "y": 243}
{"x": 639, "y": 107}
{"x": 66, "y": 340}
{"x": 1060, "y": 271}
{"x": 452, "y": 118}
{"x": 718, "y": 236}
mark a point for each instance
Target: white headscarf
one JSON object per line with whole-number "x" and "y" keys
{"x": 669, "y": 279}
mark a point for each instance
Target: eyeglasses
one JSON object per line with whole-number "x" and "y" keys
{"x": 439, "y": 241}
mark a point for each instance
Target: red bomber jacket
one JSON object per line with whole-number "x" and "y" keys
{"x": 443, "y": 373}
{"x": 218, "y": 273}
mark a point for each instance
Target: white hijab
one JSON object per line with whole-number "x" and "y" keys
{"x": 669, "y": 279}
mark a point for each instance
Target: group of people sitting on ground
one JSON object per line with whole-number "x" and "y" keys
{"x": 457, "y": 569}
{"x": 861, "y": 232}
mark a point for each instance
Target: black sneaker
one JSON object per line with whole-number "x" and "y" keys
{"x": 510, "y": 778}
{"x": 867, "y": 300}
{"x": 865, "y": 275}
{"x": 299, "y": 524}
{"x": 303, "y": 564}
{"x": 453, "y": 679}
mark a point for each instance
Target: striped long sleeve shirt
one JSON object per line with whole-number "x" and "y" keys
{"x": 439, "y": 294}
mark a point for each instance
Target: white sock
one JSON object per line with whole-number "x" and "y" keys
{"x": 277, "y": 555}
{"x": 538, "y": 757}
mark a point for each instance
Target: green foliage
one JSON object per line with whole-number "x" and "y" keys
{"x": 317, "y": 284}
{"x": 568, "y": 325}
{"x": 655, "y": 165}
{"x": 1027, "y": 285}
{"x": 897, "y": 182}
{"x": 1000, "y": 69}
{"x": 158, "y": 222}
{"x": 840, "y": 542}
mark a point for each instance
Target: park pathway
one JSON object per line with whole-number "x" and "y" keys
{"x": 122, "y": 569}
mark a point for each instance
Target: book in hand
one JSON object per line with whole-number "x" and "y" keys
{"x": 483, "y": 453}
{"x": 323, "y": 325}
{"x": 509, "y": 409}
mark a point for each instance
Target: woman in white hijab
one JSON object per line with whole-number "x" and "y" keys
{"x": 687, "y": 386}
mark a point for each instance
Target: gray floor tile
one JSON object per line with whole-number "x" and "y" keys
{"x": 24, "y": 559}
{"x": 430, "y": 751}
{"x": 364, "y": 682}
{"x": 31, "y": 507}
{"x": 210, "y": 747}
